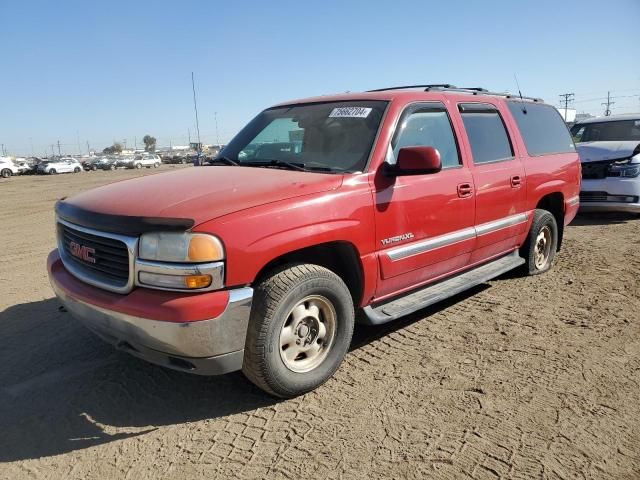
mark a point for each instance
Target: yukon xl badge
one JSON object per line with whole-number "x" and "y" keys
{"x": 397, "y": 238}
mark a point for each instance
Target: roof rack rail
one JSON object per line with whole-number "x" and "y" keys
{"x": 452, "y": 88}
{"x": 426, "y": 87}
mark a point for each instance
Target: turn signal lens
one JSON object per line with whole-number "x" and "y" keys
{"x": 204, "y": 248}
{"x": 197, "y": 281}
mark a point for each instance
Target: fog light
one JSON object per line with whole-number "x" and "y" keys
{"x": 197, "y": 281}
{"x": 179, "y": 282}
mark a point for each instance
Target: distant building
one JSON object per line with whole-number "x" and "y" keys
{"x": 569, "y": 112}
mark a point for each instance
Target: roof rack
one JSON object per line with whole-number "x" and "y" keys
{"x": 452, "y": 88}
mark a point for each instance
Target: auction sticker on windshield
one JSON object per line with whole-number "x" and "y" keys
{"x": 350, "y": 112}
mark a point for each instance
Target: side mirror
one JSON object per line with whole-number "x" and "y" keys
{"x": 417, "y": 161}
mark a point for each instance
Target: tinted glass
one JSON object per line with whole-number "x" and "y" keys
{"x": 487, "y": 136}
{"x": 335, "y": 136}
{"x": 615, "y": 130}
{"x": 427, "y": 127}
{"x": 542, "y": 128}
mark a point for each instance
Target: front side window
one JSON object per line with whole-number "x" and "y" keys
{"x": 486, "y": 132}
{"x": 614, "y": 130}
{"x": 429, "y": 126}
{"x": 331, "y": 137}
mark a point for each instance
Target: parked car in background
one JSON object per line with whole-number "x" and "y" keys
{"x": 106, "y": 163}
{"x": 23, "y": 167}
{"x": 62, "y": 165}
{"x": 147, "y": 160}
{"x": 8, "y": 168}
{"x": 380, "y": 203}
{"x": 90, "y": 164}
{"x": 609, "y": 149}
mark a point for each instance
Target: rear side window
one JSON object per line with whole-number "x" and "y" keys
{"x": 542, "y": 128}
{"x": 486, "y": 132}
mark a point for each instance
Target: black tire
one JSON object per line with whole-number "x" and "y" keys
{"x": 274, "y": 298}
{"x": 6, "y": 173}
{"x": 156, "y": 165}
{"x": 543, "y": 221}
{"x": 112, "y": 167}
{"x": 52, "y": 171}
{"x": 94, "y": 168}
{"x": 76, "y": 170}
{"x": 138, "y": 166}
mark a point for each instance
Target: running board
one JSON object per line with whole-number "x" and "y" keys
{"x": 394, "y": 309}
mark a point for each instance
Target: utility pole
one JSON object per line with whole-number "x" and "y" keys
{"x": 135, "y": 143}
{"x": 607, "y": 105}
{"x": 78, "y": 139}
{"x": 215, "y": 115}
{"x": 59, "y": 149}
{"x": 189, "y": 135}
{"x": 2, "y": 145}
{"x": 88, "y": 149}
{"x": 195, "y": 107}
{"x": 566, "y": 98}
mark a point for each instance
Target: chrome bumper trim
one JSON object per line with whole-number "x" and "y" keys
{"x": 205, "y": 338}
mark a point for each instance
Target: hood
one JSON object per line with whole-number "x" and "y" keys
{"x": 199, "y": 193}
{"x": 600, "y": 151}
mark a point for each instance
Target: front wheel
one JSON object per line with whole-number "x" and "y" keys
{"x": 138, "y": 165}
{"x": 76, "y": 170}
{"x": 6, "y": 173}
{"x": 300, "y": 329}
{"x": 156, "y": 165}
{"x": 539, "y": 249}
{"x": 52, "y": 171}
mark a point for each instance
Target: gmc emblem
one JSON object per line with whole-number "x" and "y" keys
{"x": 82, "y": 252}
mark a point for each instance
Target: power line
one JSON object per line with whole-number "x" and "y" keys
{"x": 566, "y": 98}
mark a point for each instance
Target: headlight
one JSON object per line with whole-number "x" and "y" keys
{"x": 180, "y": 247}
{"x": 629, "y": 170}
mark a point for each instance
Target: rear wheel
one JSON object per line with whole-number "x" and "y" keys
{"x": 94, "y": 167}
{"x": 540, "y": 247}
{"x": 138, "y": 165}
{"x": 52, "y": 171}
{"x": 299, "y": 331}
{"x": 112, "y": 167}
{"x": 156, "y": 165}
{"x": 6, "y": 173}
{"x": 76, "y": 170}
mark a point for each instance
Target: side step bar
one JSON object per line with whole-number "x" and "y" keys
{"x": 412, "y": 302}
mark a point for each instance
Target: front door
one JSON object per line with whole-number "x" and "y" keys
{"x": 424, "y": 223}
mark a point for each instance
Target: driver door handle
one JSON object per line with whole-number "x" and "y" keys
{"x": 465, "y": 190}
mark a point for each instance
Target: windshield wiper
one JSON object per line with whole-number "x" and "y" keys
{"x": 225, "y": 160}
{"x": 278, "y": 163}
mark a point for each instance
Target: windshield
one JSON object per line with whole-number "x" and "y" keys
{"x": 616, "y": 130}
{"x": 332, "y": 136}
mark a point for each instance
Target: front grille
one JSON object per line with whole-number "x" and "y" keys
{"x": 107, "y": 263}
{"x": 595, "y": 170}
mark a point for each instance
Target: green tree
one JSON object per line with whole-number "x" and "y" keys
{"x": 149, "y": 143}
{"x": 115, "y": 148}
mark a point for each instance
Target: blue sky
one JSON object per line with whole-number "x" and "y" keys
{"x": 99, "y": 71}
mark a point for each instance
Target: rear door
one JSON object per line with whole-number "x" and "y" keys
{"x": 499, "y": 178}
{"x": 424, "y": 223}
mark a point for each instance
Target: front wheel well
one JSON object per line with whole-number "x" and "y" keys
{"x": 554, "y": 203}
{"x": 340, "y": 257}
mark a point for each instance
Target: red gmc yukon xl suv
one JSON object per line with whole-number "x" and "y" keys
{"x": 377, "y": 204}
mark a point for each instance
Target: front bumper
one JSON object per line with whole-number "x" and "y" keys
{"x": 607, "y": 195}
{"x": 209, "y": 346}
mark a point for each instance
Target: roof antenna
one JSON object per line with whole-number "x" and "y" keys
{"x": 524, "y": 108}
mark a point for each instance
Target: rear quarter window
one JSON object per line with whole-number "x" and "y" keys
{"x": 542, "y": 128}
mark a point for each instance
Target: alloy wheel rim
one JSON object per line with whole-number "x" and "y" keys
{"x": 308, "y": 333}
{"x": 542, "y": 247}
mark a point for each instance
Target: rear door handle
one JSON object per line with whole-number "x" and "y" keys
{"x": 464, "y": 190}
{"x": 516, "y": 181}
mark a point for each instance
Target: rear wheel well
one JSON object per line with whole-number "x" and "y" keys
{"x": 340, "y": 257}
{"x": 554, "y": 203}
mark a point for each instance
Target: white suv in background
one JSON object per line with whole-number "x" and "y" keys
{"x": 7, "y": 167}
{"x": 609, "y": 149}
{"x": 145, "y": 160}
{"x": 62, "y": 165}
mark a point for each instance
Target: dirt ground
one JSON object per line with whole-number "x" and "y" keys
{"x": 522, "y": 378}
